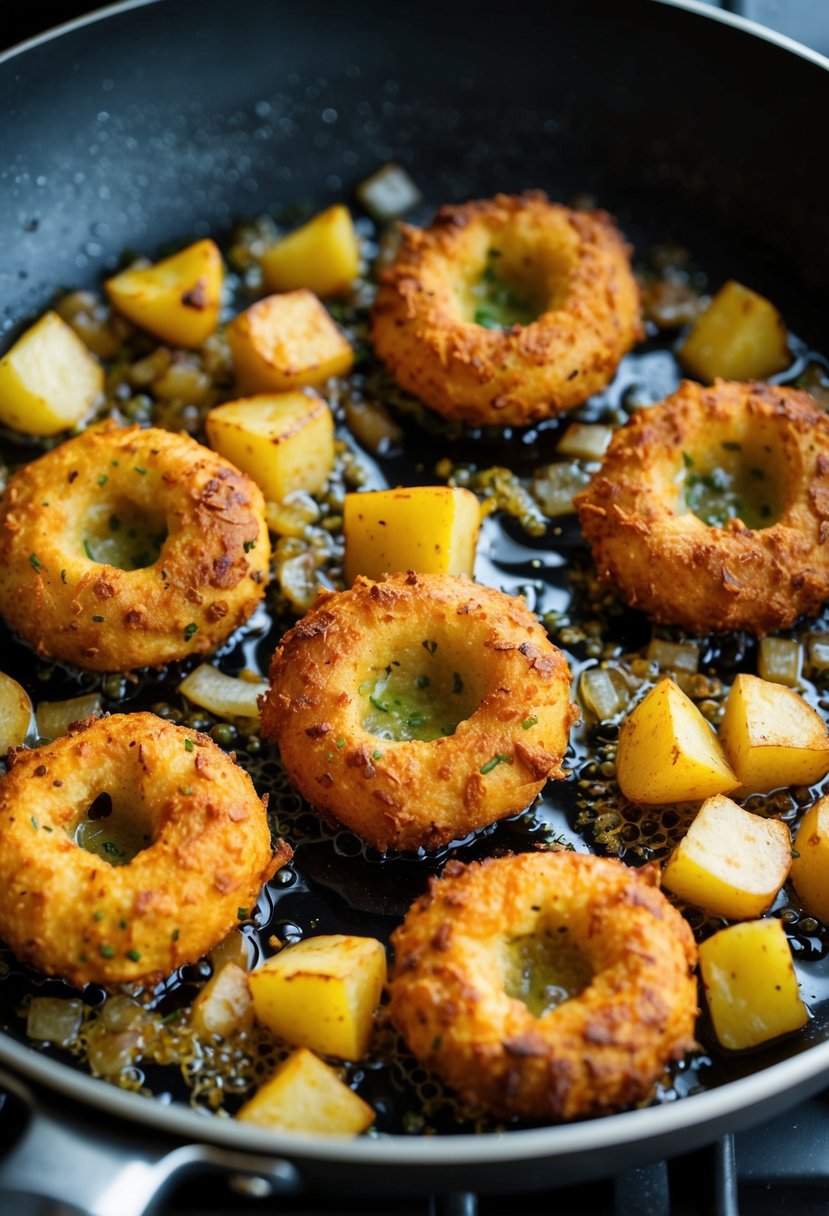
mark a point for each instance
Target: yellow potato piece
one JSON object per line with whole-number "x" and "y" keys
{"x": 305, "y": 1095}
{"x": 772, "y": 737}
{"x": 810, "y": 867}
{"x": 668, "y": 752}
{"x": 177, "y": 299}
{"x": 739, "y": 336}
{"x": 323, "y": 255}
{"x": 730, "y": 862}
{"x": 224, "y": 1005}
{"x": 286, "y": 342}
{"x": 16, "y": 716}
{"x": 430, "y": 529}
{"x": 284, "y": 441}
{"x": 322, "y": 993}
{"x": 750, "y": 985}
{"x": 48, "y": 380}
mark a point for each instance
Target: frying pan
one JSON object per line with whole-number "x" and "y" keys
{"x": 153, "y": 121}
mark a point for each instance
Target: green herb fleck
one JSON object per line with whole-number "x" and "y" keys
{"x": 98, "y": 620}
{"x": 35, "y": 561}
{"x": 107, "y": 951}
{"x": 134, "y": 956}
{"x": 34, "y": 822}
{"x": 500, "y": 758}
{"x": 88, "y": 550}
{"x": 528, "y": 722}
{"x": 171, "y": 1017}
{"x": 340, "y": 744}
{"x": 687, "y": 460}
{"x": 243, "y": 913}
{"x": 103, "y": 479}
{"x": 186, "y": 790}
{"x": 112, "y": 849}
{"x": 377, "y": 755}
{"x": 189, "y": 745}
{"x": 138, "y": 469}
{"x": 190, "y": 630}
{"x": 384, "y": 709}
{"x": 122, "y": 924}
{"x": 97, "y": 916}
{"x": 249, "y": 544}
{"x": 176, "y": 934}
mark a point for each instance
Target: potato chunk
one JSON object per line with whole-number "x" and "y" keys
{"x": 772, "y": 737}
{"x": 224, "y": 1005}
{"x": 323, "y": 255}
{"x": 750, "y": 985}
{"x": 16, "y": 717}
{"x": 176, "y": 299}
{"x": 740, "y": 336}
{"x": 286, "y": 342}
{"x": 430, "y": 529}
{"x": 48, "y": 380}
{"x": 668, "y": 752}
{"x": 305, "y": 1095}
{"x": 321, "y": 993}
{"x": 810, "y": 867}
{"x": 285, "y": 441}
{"x": 730, "y": 862}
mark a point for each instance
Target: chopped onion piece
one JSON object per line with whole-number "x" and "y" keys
{"x": 235, "y": 948}
{"x": 603, "y": 692}
{"x": 674, "y": 656}
{"x": 15, "y": 714}
{"x": 53, "y": 1020}
{"x": 298, "y": 579}
{"x": 224, "y": 1004}
{"x": 293, "y": 516}
{"x": 371, "y": 425}
{"x": 585, "y": 441}
{"x": 556, "y": 485}
{"x": 121, "y": 1012}
{"x": 55, "y": 717}
{"x": 110, "y": 1052}
{"x": 222, "y": 695}
{"x": 780, "y": 660}
{"x": 819, "y": 652}
{"x": 388, "y": 193}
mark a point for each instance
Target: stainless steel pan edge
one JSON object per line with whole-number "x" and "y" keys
{"x": 525, "y": 1159}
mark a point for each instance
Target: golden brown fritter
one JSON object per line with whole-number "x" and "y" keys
{"x": 761, "y": 450}
{"x": 126, "y": 548}
{"x": 485, "y": 928}
{"x": 204, "y": 841}
{"x": 572, "y": 267}
{"x": 365, "y": 665}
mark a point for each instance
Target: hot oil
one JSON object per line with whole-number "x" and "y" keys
{"x": 335, "y": 883}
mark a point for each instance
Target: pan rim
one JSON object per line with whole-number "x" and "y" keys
{"x": 794, "y": 1077}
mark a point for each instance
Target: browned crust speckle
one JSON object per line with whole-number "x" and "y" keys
{"x": 418, "y": 794}
{"x": 521, "y": 375}
{"x": 676, "y": 568}
{"x": 208, "y": 579}
{"x": 597, "y": 1052}
{"x": 70, "y": 913}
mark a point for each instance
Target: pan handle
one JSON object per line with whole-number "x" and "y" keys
{"x": 106, "y": 1167}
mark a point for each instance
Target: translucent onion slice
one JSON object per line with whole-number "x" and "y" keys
{"x": 225, "y": 696}
{"x": 53, "y": 1020}
{"x": 293, "y": 516}
{"x": 603, "y": 692}
{"x": 16, "y": 717}
{"x": 780, "y": 660}
{"x": 55, "y": 717}
{"x": 585, "y": 441}
{"x": 371, "y": 425}
{"x": 388, "y": 193}
{"x": 555, "y": 486}
{"x": 674, "y": 656}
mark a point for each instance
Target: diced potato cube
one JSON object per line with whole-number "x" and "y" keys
{"x": 285, "y": 442}
{"x": 223, "y": 695}
{"x": 730, "y": 862}
{"x": 585, "y": 441}
{"x": 48, "y": 380}
{"x": 772, "y": 737}
{"x": 286, "y": 342}
{"x": 673, "y": 656}
{"x": 740, "y": 336}
{"x": 430, "y": 529}
{"x": 323, "y": 255}
{"x": 322, "y": 993}
{"x": 668, "y": 752}
{"x": 15, "y": 714}
{"x": 305, "y": 1095}
{"x": 810, "y": 867}
{"x": 176, "y": 299}
{"x": 224, "y": 1004}
{"x": 750, "y": 985}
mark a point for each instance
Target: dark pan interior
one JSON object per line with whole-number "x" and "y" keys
{"x": 174, "y": 119}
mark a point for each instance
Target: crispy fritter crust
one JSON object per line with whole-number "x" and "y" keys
{"x": 681, "y": 571}
{"x": 209, "y": 577}
{"x": 70, "y": 913}
{"x": 417, "y": 794}
{"x": 597, "y": 1052}
{"x": 517, "y": 376}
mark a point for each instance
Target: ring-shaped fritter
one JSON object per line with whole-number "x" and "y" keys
{"x": 482, "y": 929}
{"x": 205, "y": 851}
{"x": 187, "y": 527}
{"x": 504, "y": 706}
{"x": 572, "y": 267}
{"x": 767, "y": 449}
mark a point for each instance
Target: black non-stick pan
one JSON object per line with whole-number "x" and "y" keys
{"x": 152, "y": 123}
